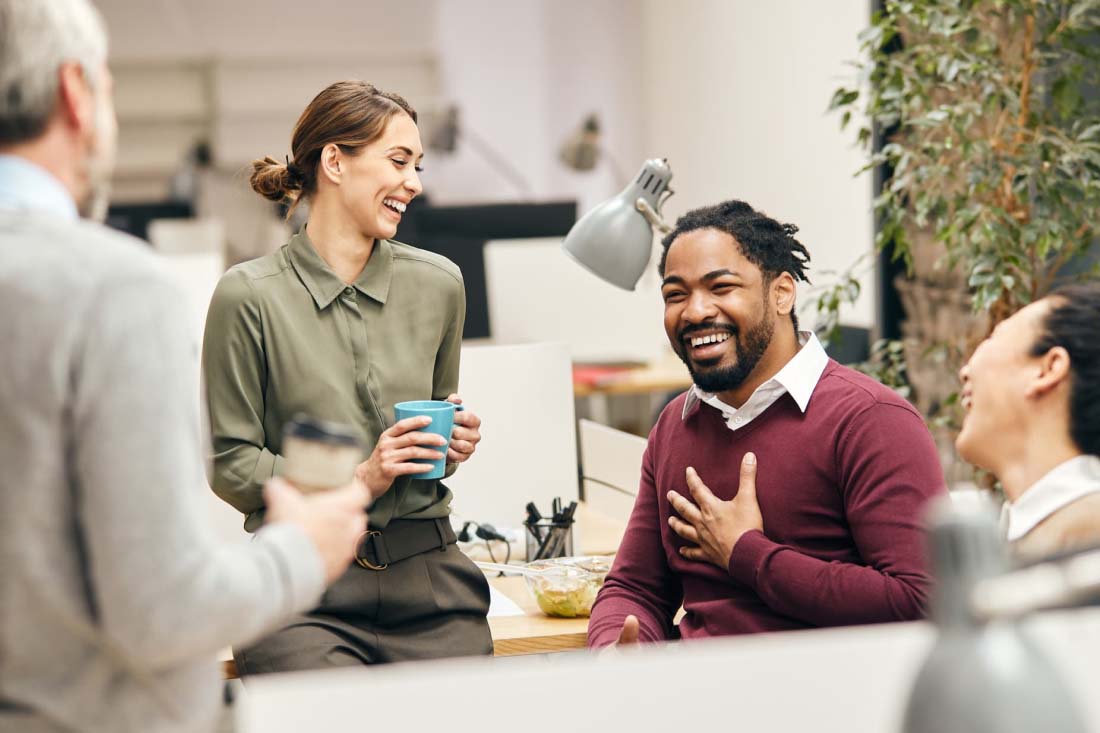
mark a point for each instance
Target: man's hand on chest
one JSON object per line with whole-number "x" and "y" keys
{"x": 711, "y": 525}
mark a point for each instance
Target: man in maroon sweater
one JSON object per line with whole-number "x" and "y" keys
{"x": 783, "y": 490}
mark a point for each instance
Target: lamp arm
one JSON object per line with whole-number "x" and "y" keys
{"x": 498, "y": 163}
{"x": 652, "y": 216}
{"x": 616, "y": 170}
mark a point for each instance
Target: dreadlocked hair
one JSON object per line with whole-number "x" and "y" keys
{"x": 763, "y": 241}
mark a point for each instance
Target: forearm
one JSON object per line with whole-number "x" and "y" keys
{"x": 449, "y": 355}
{"x": 825, "y": 593}
{"x": 214, "y": 597}
{"x": 234, "y": 373}
{"x": 164, "y": 588}
{"x": 640, "y": 582}
{"x": 239, "y": 472}
{"x": 615, "y": 602}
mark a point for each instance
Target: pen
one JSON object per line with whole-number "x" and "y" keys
{"x": 533, "y": 519}
{"x": 541, "y": 553}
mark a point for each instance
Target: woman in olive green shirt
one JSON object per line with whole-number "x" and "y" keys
{"x": 342, "y": 323}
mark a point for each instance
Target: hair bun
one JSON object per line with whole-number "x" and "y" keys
{"x": 294, "y": 175}
{"x": 274, "y": 180}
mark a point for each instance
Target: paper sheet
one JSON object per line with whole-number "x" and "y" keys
{"x": 502, "y": 605}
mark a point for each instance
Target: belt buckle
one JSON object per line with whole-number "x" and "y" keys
{"x": 362, "y": 561}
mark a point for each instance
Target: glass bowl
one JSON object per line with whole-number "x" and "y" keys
{"x": 566, "y": 587}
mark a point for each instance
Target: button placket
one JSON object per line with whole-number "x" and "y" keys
{"x": 357, "y": 333}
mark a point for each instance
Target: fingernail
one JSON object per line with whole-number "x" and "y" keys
{"x": 750, "y": 459}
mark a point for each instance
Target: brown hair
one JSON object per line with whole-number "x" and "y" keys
{"x": 350, "y": 114}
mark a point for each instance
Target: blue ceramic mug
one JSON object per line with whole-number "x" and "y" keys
{"x": 443, "y": 422}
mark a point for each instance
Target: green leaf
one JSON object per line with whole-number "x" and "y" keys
{"x": 843, "y": 97}
{"x": 1066, "y": 96}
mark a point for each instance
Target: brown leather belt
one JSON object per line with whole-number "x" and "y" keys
{"x": 400, "y": 540}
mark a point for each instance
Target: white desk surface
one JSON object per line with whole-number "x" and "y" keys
{"x": 846, "y": 680}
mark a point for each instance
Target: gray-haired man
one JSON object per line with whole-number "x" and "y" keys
{"x": 114, "y": 599}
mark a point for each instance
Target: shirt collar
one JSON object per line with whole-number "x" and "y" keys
{"x": 27, "y": 186}
{"x": 324, "y": 285}
{"x": 1065, "y": 483}
{"x": 798, "y": 377}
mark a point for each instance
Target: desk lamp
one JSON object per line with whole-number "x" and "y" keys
{"x": 583, "y": 150}
{"x": 445, "y": 133}
{"x": 984, "y": 674}
{"x": 614, "y": 241}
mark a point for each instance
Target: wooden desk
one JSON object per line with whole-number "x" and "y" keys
{"x": 663, "y": 377}
{"x": 534, "y": 633}
{"x": 651, "y": 382}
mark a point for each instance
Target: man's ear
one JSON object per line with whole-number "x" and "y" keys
{"x": 332, "y": 163}
{"x": 783, "y": 291}
{"x": 1053, "y": 371}
{"x": 75, "y": 98}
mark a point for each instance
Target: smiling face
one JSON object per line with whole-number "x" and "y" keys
{"x": 996, "y": 384}
{"x": 378, "y": 182}
{"x": 718, "y": 311}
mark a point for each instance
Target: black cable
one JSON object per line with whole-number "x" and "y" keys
{"x": 487, "y": 532}
{"x": 507, "y": 552}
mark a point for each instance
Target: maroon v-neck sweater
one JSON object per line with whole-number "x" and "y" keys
{"x": 842, "y": 489}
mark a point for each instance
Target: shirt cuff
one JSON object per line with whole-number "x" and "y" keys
{"x": 300, "y": 566}
{"x": 748, "y": 555}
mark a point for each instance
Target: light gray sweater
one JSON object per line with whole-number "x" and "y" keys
{"x": 114, "y": 595}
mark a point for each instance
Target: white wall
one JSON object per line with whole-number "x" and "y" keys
{"x": 524, "y": 74}
{"x": 737, "y": 92}
{"x": 239, "y": 74}
{"x": 733, "y": 92}
{"x": 148, "y": 30}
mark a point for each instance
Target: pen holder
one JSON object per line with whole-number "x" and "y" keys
{"x": 546, "y": 539}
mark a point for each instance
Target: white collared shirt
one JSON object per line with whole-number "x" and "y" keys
{"x": 798, "y": 377}
{"x": 25, "y": 186}
{"x": 1064, "y": 484}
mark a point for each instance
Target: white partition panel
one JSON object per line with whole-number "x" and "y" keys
{"x": 528, "y": 452}
{"x": 612, "y": 467}
{"x": 536, "y": 293}
{"x": 847, "y": 680}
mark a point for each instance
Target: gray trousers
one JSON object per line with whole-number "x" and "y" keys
{"x": 427, "y": 606}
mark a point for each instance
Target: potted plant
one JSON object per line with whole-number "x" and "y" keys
{"x": 983, "y": 117}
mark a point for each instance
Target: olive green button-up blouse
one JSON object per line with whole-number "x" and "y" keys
{"x": 284, "y": 335}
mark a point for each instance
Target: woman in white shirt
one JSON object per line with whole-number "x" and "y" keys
{"x": 1031, "y": 392}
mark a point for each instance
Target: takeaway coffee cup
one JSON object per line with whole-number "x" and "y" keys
{"x": 319, "y": 455}
{"x": 443, "y": 422}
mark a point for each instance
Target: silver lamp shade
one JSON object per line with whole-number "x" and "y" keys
{"x": 614, "y": 241}
{"x": 984, "y": 675}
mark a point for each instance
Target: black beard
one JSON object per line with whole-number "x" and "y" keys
{"x": 750, "y": 346}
